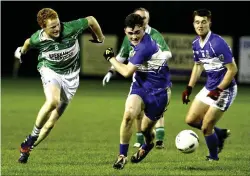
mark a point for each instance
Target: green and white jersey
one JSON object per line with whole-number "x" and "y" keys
{"x": 60, "y": 55}
{"x": 126, "y": 48}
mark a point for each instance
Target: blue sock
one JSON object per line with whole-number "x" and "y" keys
{"x": 212, "y": 144}
{"x": 124, "y": 149}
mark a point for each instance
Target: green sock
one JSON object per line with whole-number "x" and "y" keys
{"x": 140, "y": 138}
{"x": 160, "y": 133}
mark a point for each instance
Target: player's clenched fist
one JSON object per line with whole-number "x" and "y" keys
{"x": 214, "y": 94}
{"x": 185, "y": 95}
{"x": 108, "y": 54}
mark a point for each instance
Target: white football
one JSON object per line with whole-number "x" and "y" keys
{"x": 187, "y": 141}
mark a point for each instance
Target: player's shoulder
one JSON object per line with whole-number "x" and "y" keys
{"x": 216, "y": 39}
{"x": 35, "y": 37}
{"x": 195, "y": 42}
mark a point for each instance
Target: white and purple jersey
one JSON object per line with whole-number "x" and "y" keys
{"x": 153, "y": 71}
{"x": 213, "y": 53}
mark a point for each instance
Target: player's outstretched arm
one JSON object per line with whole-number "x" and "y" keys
{"x": 22, "y": 49}
{"x": 124, "y": 70}
{"x": 95, "y": 27}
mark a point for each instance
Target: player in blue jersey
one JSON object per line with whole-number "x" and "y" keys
{"x": 148, "y": 93}
{"x": 123, "y": 55}
{"x": 212, "y": 54}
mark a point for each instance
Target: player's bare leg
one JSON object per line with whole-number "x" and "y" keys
{"x": 196, "y": 113}
{"x": 55, "y": 115}
{"x": 52, "y": 93}
{"x": 160, "y": 133}
{"x": 147, "y": 130}
{"x": 139, "y": 135}
{"x": 195, "y": 117}
{"x": 133, "y": 108}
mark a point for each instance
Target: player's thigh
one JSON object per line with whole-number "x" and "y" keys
{"x": 212, "y": 116}
{"x": 134, "y": 105}
{"x": 70, "y": 84}
{"x": 51, "y": 84}
{"x": 196, "y": 111}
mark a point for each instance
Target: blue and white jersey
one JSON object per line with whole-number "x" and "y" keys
{"x": 153, "y": 71}
{"x": 213, "y": 53}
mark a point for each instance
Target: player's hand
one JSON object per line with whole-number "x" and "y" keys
{"x": 107, "y": 77}
{"x": 185, "y": 95}
{"x": 108, "y": 54}
{"x": 214, "y": 94}
{"x": 18, "y": 54}
{"x": 96, "y": 40}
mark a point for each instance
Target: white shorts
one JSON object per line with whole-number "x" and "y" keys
{"x": 224, "y": 101}
{"x": 68, "y": 82}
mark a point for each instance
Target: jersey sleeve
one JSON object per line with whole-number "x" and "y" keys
{"x": 34, "y": 39}
{"x": 160, "y": 41}
{"x": 141, "y": 54}
{"x": 223, "y": 51}
{"x": 76, "y": 26}
{"x": 196, "y": 58}
{"x": 124, "y": 50}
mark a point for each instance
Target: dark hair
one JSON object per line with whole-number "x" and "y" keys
{"x": 203, "y": 13}
{"x": 133, "y": 20}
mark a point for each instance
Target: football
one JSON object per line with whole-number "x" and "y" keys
{"x": 187, "y": 141}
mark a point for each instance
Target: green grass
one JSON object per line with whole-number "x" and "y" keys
{"x": 85, "y": 141}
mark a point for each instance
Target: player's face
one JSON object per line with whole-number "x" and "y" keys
{"x": 53, "y": 28}
{"x": 144, "y": 15}
{"x": 134, "y": 35}
{"x": 201, "y": 25}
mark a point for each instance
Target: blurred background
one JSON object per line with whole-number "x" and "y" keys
{"x": 172, "y": 19}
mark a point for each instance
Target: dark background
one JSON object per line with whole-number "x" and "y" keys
{"x": 19, "y": 22}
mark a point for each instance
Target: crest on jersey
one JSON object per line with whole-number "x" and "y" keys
{"x": 221, "y": 57}
{"x": 131, "y": 53}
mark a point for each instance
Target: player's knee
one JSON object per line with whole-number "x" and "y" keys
{"x": 189, "y": 121}
{"x": 52, "y": 103}
{"x": 129, "y": 115}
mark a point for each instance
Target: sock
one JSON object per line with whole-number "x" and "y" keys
{"x": 140, "y": 138}
{"x": 124, "y": 149}
{"x": 212, "y": 144}
{"x": 217, "y": 131}
{"x": 160, "y": 133}
{"x": 36, "y": 131}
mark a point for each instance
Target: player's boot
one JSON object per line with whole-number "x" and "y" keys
{"x": 208, "y": 158}
{"x": 141, "y": 153}
{"x": 225, "y": 133}
{"x": 26, "y": 147}
{"x": 120, "y": 162}
{"x": 159, "y": 144}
